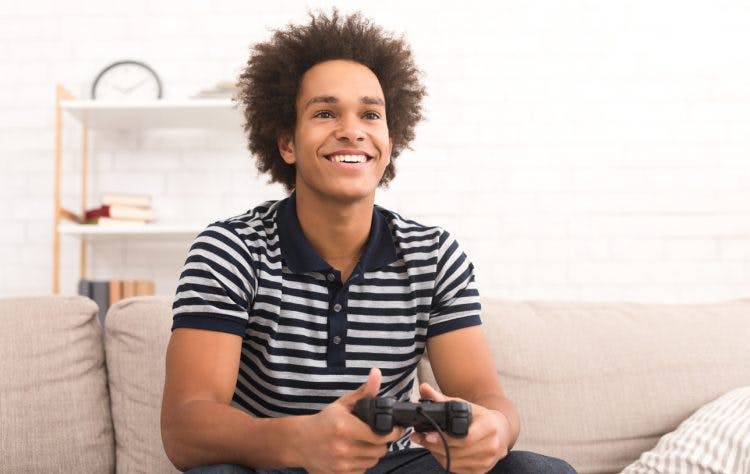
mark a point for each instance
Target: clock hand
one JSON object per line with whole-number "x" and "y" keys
{"x": 137, "y": 85}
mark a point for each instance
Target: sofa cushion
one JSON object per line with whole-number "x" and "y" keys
{"x": 136, "y": 338}
{"x": 598, "y": 383}
{"x": 54, "y": 408}
{"x": 716, "y": 438}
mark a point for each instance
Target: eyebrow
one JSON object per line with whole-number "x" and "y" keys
{"x": 330, "y": 99}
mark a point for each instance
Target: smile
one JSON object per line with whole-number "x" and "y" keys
{"x": 348, "y": 158}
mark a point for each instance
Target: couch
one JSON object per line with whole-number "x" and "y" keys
{"x": 595, "y": 383}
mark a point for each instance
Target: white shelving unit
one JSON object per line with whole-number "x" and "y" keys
{"x": 94, "y": 115}
{"x": 197, "y": 113}
{"x": 128, "y": 230}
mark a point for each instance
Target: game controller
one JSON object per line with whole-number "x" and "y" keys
{"x": 382, "y": 413}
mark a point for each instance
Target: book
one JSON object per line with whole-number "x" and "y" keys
{"x": 144, "y": 287}
{"x": 97, "y": 290}
{"x": 84, "y": 287}
{"x": 135, "y": 200}
{"x": 222, "y": 89}
{"x": 100, "y": 294}
{"x": 119, "y": 211}
{"x": 128, "y": 288}
{"x": 108, "y": 221}
{"x": 115, "y": 291}
{"x": 108, "y": 292}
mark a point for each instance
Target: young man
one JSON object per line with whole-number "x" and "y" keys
{"x": 285, "y": 316}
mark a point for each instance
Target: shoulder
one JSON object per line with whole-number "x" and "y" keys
{"x": 258, "y": 223}
{"x": 410, "y": 233}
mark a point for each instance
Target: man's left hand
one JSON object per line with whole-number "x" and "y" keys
{"x": 486, "y": 443}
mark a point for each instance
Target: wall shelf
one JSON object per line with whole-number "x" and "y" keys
{"x": 129, "y": 230}
{"x": 97, "y": 115}
{"x": 118, "y": 115}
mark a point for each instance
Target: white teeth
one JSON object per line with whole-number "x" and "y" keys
{"x": 349, "y": 158}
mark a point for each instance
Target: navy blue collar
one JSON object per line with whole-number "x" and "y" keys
{"x": 300, "y": 257}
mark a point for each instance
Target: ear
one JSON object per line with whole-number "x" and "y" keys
{"x": 286, "y": 148}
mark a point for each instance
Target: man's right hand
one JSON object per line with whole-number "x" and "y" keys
{"x": 336, "y": 441}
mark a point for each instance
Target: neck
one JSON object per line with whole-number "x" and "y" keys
{"x": 337, "y": 230}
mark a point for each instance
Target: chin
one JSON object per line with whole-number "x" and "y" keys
{"x": 340, "y": 190}
{"x": 351, "y": 194}
{"x": 354, "y": 196}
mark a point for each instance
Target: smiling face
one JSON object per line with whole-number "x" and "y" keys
{"x": 341, "y": 144}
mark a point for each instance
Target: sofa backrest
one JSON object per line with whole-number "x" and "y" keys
{"x": 136, "y": 338}
{"x": 595, "y": 383}
{"x": 598, "y": 383}
{"x": 54, "y": 408}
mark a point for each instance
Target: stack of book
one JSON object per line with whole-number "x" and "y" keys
{"x": 108, "y": 292}
{"x": 121, "y": 209}
{"x": 220, "y": 90}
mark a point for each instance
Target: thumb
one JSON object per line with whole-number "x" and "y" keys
{"x": 426, "y": 391}
{"x": 367, "y": 389}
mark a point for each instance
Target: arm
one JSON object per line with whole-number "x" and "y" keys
{"x": 463, "y": 367}
{"x": 200, "y": 428}
{"x": 198, "y": 425}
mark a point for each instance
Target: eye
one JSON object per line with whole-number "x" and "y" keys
{"x": 371, "y": 115}
{"x": 323, "y": 114}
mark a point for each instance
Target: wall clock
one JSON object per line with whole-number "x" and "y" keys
{"x": 126, "y": 80}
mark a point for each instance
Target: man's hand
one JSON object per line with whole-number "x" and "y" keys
{"x": 486, "y": 443}
{"x": 339, "y": 442}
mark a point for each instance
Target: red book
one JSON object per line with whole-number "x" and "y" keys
{"x": 121, "y": 212}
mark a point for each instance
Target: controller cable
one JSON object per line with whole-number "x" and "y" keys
{"x": 420, "y": 411}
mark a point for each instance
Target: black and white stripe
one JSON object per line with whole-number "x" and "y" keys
{"x": 236, "y": 280}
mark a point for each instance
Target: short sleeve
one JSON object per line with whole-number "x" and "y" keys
{"x": 455, "y": 303}
{"x": 217, "y": 284}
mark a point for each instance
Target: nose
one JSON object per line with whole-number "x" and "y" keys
{"x": 349, "y": 129}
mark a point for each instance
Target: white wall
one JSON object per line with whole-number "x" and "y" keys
{"x": 578, "y": 149}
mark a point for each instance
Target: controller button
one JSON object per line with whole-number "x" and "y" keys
{"x": 383, "y": 402}
{"x": 459, "y": 426}
{"x": 458, "y": 407}
{"x": 383, "y": 422}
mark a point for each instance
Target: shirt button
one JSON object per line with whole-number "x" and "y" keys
{"x": 337, "y": 307}
{"x": 331, "y": 277}
{"x": 337, "y": 340}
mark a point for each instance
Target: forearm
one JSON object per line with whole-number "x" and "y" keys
{"x": 204, "y": 432}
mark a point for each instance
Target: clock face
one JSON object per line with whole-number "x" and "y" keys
{"x": 127, "y": 80}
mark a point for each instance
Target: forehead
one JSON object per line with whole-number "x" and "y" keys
{"x": 342, "y": 79}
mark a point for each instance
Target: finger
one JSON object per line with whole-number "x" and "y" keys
{"x": 365, "y": 434}
{"x": 368, "y": 450}
{"x": 431, "y": 440}
{"x": 433, "y": 443}
{"x": 426, "y": 391}
{"x": 380, "y": 441}
{"x": 368, "y": 389}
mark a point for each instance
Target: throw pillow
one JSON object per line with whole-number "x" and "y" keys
{"x": 715, "y": 439}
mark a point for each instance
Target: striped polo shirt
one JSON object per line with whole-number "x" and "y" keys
{"x": 307, "y": 337}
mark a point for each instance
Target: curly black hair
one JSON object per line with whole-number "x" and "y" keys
{"x": 269, "y": 85}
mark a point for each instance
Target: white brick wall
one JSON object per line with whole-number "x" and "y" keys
{"x": 578, "y": 150}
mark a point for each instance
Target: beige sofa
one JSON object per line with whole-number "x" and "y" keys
{"x": 595, "y": 384}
